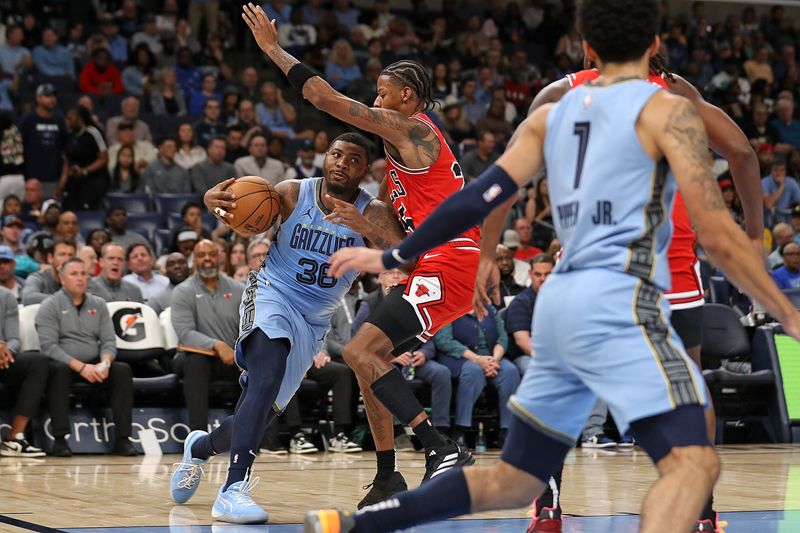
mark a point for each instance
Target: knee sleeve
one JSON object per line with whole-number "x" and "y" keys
{"x": 533, "y": 451}
{"x": 684, "y": 426}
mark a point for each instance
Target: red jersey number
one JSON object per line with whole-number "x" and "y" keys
{"x": 400, "y": 191}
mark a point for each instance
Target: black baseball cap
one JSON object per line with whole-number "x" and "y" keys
{"x": 41, "y": 243}
{"x": 46, "y": 89}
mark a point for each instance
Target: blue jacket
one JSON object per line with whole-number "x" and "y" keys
{"x": 467, "y": 333}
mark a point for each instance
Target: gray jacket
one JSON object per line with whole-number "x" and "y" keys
{"x": 123, "y": 291}
{"x": 160, "y": 178}
{"x": 205, "y": 174}
{"x": 66, "y": 331}
{"x": 201, "y": 317}
{"x": 129, "y": 238}
{"x": 161, "y": 300}
{"x": 38, "y": 286}
{"x": 9, "y": 320}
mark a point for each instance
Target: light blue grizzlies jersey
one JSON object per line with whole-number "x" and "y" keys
{"x": 611, "y": 203}
{"x": 297, "y": 263}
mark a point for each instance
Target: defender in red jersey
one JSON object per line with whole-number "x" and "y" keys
{"x": 422, "y": 172}
{"x": 415, "y": 194}
{"x": 686, "y": 294}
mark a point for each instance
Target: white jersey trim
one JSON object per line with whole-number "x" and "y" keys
{"x": 687, "y": 305}
{"x": 406, "y": 170}
{"x": 681, "y": 295}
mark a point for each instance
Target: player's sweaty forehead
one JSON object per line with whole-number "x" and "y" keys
{"x": 348, "y": 149}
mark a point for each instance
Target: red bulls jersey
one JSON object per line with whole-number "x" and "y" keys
{"x": 416, "y": 192}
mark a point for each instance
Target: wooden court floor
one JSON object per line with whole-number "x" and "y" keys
{"x": 600, "y": 488}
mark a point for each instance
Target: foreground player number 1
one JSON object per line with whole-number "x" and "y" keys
{"x": 582, "y": 131}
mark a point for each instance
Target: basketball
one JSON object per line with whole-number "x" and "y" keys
{"x": 258, "y": 205}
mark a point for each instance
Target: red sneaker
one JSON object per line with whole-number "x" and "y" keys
{"x": 711, "y": 526}
{"x": 549, "y": 521}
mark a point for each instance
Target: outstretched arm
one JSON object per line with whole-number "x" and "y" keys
{"x": 729, "y": 141}
{"x": 395, "y": 128}
{"x": 466, "y": 208}
{"x": 679, "y": 133}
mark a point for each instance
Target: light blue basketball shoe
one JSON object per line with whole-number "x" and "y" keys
{"x": 235, "y": 505}
{"x": 187, "y": 474}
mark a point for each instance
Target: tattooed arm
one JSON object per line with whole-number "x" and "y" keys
{"x": 728, "y": 140}
{"x": 676, "y": 128}
{"x": 416, "y": 143}
{"x": 385, "y": 230}
{"x": 378, "y": 224}
{"x": 289, "y": 191}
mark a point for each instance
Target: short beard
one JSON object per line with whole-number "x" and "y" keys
{"x": 208, "y": 273}
{"x": 335, "y": 188}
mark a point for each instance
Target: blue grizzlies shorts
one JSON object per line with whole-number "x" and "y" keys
{"x": 266, "y": 308}
{"x": 602, "y": 333}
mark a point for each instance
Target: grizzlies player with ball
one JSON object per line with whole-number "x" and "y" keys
{"x": 285, "y": 312}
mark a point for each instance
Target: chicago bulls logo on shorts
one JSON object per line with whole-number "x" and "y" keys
{"x": 423, "y": 292}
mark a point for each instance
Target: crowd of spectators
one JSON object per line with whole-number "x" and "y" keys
{"x": 108, "y": 101}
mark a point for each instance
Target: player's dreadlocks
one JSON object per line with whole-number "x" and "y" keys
{"x": 658, "y": 66}
{"x": 412, "y": 74}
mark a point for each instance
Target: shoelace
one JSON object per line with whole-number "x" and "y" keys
{"x": 721, "y": 524}
{"x": 195, "y": 473}
{"x": 242, "y": 494}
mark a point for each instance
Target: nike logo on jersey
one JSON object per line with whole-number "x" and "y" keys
{"x": 198, "y": 295}
{"x": 307, "y": 213}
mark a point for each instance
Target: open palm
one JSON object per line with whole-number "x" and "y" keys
{"x": 264, "y": 31}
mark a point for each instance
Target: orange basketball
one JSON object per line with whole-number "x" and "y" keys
{"x": 258, "y": 205}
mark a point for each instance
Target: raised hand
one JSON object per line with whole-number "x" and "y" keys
{"x": 264, "y": 31}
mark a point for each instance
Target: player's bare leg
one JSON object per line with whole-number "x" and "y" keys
{"x": 708, "y": 513}
{"x": 674, "y": 501}
{"x": 380, "y": 419}
{"x": 368, "y": 354}
{"x": 501, "y": 486}
{"x": 359, "y": 356}
{"x": 711, "y": 417}
{"x": 387, "y": 480}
